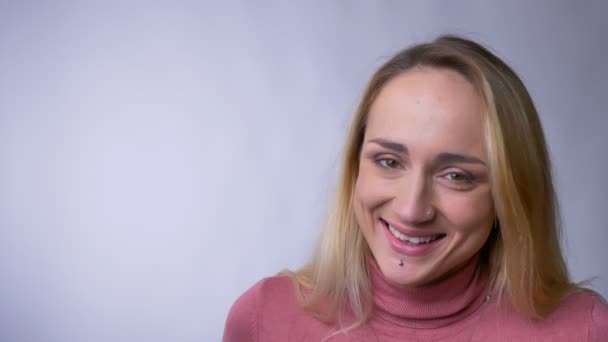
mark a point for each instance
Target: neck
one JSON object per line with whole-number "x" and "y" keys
{"x": 452, "y": 298}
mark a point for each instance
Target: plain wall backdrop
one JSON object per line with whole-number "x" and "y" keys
{"x": 159, "y": 158}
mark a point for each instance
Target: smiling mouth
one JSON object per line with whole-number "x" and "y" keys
{"x": 412, "y": 240}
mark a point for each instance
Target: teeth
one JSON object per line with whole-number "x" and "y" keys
{"x": 410, "y": 239}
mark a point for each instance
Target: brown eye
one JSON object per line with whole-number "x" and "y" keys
{"x": 458, "y": 177}
{"x": 389, "y": 163}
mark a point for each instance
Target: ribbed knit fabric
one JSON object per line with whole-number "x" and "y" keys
{"x": 453, "y": 310}
{"x": 447, "y": 302}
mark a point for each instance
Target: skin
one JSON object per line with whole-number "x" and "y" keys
{"x": 423, "y": 148}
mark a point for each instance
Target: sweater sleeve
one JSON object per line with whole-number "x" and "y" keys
{"x": 241, "y": 324}
{"x": 598, "y": 331}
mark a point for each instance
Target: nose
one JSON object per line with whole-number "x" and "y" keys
{"x": 412, "y": 199}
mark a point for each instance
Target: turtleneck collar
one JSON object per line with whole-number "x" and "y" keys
{"x": 434, "y": 306}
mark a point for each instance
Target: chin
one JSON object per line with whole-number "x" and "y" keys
{"x": 408, "y": 275}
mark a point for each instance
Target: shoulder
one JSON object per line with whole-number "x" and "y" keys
{"x": 598, "y": 330}
{"x": 581, "y": 316}
{"x": 590, "y": 308}
{"x": 581, "y": 300}
{"x": 268, "y": 297}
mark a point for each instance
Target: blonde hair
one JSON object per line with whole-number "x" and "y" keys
{"x": 523, "y": 254}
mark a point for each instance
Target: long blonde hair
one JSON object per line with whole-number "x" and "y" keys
{"x": 523, "y": 253}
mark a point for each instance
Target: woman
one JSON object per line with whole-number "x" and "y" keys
{"x": 445, "y": 224}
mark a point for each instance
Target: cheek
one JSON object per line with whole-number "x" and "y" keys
{"x": 470, "y": 215}
{"x": 370, "y": 191}
{"x": 360, "y": 203}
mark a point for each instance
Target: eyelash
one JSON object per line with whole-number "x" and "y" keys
{"x": 467, "y": 179}
{"x": 383, "y": 162}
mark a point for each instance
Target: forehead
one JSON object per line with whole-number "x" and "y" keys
{"x": 429, "y": 108}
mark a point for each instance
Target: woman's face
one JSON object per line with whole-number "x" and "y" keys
{"x": 422, "y": 196}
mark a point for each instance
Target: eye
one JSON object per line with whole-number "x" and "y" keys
{"x": 457, "y": 177}
{"x": 388, "y": 163}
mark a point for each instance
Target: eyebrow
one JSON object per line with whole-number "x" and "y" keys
{"x": 448, "y": 158}
{"x": 442, "y": 158}
{"x": 391, "y": 145}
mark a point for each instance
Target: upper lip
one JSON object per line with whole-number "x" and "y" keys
{"x": 411, "y": 232}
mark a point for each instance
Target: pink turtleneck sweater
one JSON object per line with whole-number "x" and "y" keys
{"x": 453, "y": 310}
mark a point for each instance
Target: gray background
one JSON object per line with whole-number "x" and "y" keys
{"x": 158, "y": 158}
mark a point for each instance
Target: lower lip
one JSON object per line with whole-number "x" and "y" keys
{"x": 407, "y": 248}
